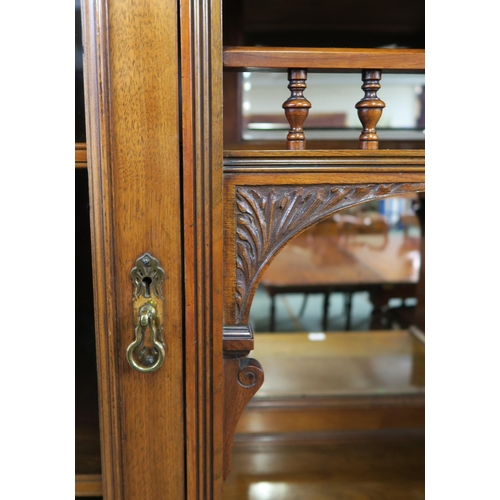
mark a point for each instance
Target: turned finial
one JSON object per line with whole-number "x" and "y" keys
{"x": 370, "y": 109}
{"x": 296, "y": 109}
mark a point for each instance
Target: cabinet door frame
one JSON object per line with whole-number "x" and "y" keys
{"x": 202, "y": 155}
{"x": 175, "y": 89}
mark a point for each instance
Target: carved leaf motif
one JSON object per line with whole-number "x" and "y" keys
{"x": 267, "y": 217}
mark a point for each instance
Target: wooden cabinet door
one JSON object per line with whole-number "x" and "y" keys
{"x": 132, "y": 98}
{"x": 153, "y": 106}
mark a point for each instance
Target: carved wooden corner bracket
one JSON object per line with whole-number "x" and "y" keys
{"x": 267, "y": 217}
{"x": 243, "y": 377}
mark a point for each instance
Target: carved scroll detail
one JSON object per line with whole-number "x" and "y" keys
{"x": 269, "y": 216}
{"x": 249, "y": 373}
{"x": 243, "y": 377}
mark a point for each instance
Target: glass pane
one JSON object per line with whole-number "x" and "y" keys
{"x": 332, "y": 313}
{"x": 333, "y": 114}
{"x": 80, "y": 135}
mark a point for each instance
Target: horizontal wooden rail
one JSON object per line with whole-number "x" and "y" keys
{"x": 80, "y": 155}
{"x": 326, "y": 162}
{"x": 88, "y": 485}
{"x": 280, "y": 59}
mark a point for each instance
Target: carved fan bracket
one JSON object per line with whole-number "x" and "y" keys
{"x": 267, "y": 217}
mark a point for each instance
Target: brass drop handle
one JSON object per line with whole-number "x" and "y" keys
{"x": 150, "y": 358}
{"x": 147, "y": 354}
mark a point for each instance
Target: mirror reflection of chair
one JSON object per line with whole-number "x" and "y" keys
{"x": 351, "y": 226}
{"x": 413, "y": 316}
{"x": 343, "y": 254}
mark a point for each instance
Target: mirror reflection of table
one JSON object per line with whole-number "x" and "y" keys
{"x": 385, "y": 265}
{"x": 337, "y": 381}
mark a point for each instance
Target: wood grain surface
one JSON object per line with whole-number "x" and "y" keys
{"x": 282, "y": 58}
{"x": 201, "y": 86}
{"x": 132, "y": 103}
{"x": 355, "y": 467}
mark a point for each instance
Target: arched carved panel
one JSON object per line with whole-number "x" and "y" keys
{"x": 267, "y": 217}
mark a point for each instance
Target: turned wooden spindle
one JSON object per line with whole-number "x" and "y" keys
{"x": 370, "y": 109}
{"x": 296, "y": 109}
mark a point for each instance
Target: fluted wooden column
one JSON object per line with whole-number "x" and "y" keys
{"x": 296, "y": 109}
{"x": 370, "y": 109}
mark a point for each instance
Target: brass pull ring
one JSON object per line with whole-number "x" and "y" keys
{"x": 150, "y": 358}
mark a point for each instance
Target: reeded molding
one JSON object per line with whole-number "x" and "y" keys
{"x": 267, "y": 217}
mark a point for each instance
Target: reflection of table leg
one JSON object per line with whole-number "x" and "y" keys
{"x": 302, "y": 309}
{"x": 326, "y": 304}
{"x": 273, "y": 311}
{"x": 348, "y": 307}
{"x": 377, "y": 318}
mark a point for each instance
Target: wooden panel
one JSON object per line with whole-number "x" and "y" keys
{"x": 330, "y": 418}
{"x": 146, "y": 162}
{"x": 282, "y": 58}
{"x": 134, "y": 164}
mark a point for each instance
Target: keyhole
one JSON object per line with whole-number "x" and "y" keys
{"x": 147, "y": 284}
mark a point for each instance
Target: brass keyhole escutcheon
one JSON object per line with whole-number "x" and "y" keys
{"x": 147, "y": 352}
